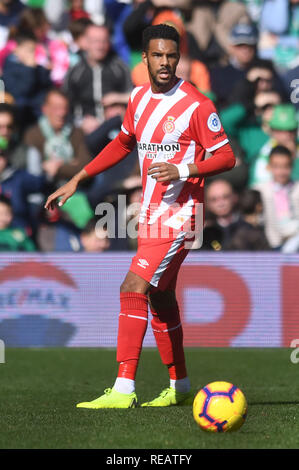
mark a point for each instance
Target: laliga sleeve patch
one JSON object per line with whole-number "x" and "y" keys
{"x": 214, "y": 123}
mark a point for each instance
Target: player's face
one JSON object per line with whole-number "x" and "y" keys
{"x": 161, "y": 58}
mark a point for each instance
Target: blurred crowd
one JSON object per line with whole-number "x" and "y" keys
{"x": 67, "y": 69}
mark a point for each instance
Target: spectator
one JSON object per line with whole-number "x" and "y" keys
{"x": 26, "y": 81}
{"x": 57, "y": 232}
{"x": 250, "y": 126}
{"x": 126, "y": 213}
{"x": 96, "y": 10}
{"x": 259, "y": 78}
{"x": 133, "y": 188}
{"x": 242, "y": 56}
{"x": 56, "y": 14}
{"x": 50, "y": 53}
{"x": 99, "y": 72}
{"x": 280, "y": 32}
{"x": 238, "y": 176}
{"x": 18, "y": 185}
{"x": 281, "y": 202}
{"x": 77, "y": 10}
{"x": 232, "y": 227}
{"x": 138, "y": 19}
{"x": 250, "y": 236}
{"x": 61, "y": 235}
{"x": 93, "y": 238}
{"x": 102, "y": 185}
{"x": 282, "y": 130}
{"x": 11, "y": 239}
{"x": 211, "y": 22}
{"x": 10, "y": 139}
{"x": 251, "y": 207}
{"x": 116, "y": 14}
{"x": 77, "y": 45}
{"x": 223, "y": 216}
{"x": 9, "y": 15}
{"x": 61, "y": 147}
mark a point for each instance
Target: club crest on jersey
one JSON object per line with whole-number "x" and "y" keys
{"x": 169, "y": 126}
{"x": 214, "y": 123}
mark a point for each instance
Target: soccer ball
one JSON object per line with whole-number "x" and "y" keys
{"x": 220, "y": 407}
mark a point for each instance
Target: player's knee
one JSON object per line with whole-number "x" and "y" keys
{"x": 134, "y": 283}
{"x": 127, "y": 287}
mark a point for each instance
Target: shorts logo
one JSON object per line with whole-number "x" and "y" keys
{"x": 214, "y": 123}
{"x": 169, "y": 126}
{"x": 142, "y": 263}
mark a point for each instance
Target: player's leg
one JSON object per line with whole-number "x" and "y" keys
{"x": 168, "y": 332}
{"x": 132, "y": 326}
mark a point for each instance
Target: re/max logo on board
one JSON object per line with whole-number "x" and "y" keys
{"x": 16, "y": 298}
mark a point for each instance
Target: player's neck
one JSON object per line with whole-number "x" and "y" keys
{"x": 156, "y": 89}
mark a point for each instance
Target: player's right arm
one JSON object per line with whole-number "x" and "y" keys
{"x": 113, "y": 153}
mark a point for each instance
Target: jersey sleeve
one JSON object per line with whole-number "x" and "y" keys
{"x": 206, "y": 128}
{"x": 128, "y": 122}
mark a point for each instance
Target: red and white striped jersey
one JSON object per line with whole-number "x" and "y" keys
{"x": 177, "y": 127}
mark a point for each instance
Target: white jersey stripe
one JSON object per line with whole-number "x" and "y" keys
{"x": 134, "y": 93}
{"x": 141, "y": 107}
{"x": 217, "y": 146}
{"x": 124, "y": 129}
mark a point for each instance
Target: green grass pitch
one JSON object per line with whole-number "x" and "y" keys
{"x": 40, "y": 387}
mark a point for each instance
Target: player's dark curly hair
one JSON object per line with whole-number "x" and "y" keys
{"x": 159, "y": 31}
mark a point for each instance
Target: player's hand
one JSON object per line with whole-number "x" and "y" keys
{"x": 161, "y": 172}
{"x": 65, "y": 192}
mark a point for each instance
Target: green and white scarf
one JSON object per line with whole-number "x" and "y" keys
{"x": 57, "y": 144}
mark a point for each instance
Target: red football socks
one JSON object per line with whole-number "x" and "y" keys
{"x": 168, "y": 333}
{"x": 132, "y": 327}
